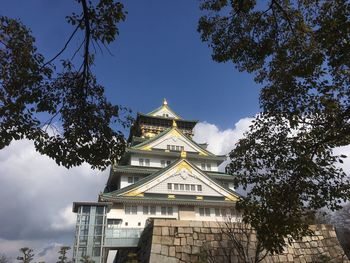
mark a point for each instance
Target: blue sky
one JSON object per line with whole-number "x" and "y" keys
{"x": 157, "y": 54}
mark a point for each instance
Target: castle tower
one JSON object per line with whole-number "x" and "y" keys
{"x": 163, "y": 174}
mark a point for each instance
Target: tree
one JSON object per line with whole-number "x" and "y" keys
{"x": 27, "y": 256}
{"x": 4, "y": 259}
{"x": 62, "y": 108}
{"x": 299, "y": 53}
{"x": 63, "y": 252}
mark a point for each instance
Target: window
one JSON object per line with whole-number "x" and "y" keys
{"x": 193, "y": 187}
{"x": 130, "y": 180}
{"x": 169, "y": 186}
{"x": 82, "y": 251}
{"x": 139, "y": 223}
{"x": 86, "y": 209}
{"x": 162, "y": 163}
{"x": 145, "y": 210}
{"x": 126, "y": 223}
{"x": 147, "y": 162}
{"x": 96, "y": 251}
{"x": 153, "y": 210}
{"x": 207, "y": 211}
{"x": 208, "y": 167}
{"x": 168, "y": 147}
{"x": 141, "y": 162}
{"x": 173, "y": 148}
{"x": 176, "y": 187}
{"x": 204, "y": 211}
{"x": 131, "y": 209}
{"x": 168, "y": 163}
{"x": 181, "y": 187}
{"x": 163, "y": 210}
{"x": 217, "y": 211}
{"x": 98, "y": 220}
{"x": 100, "y": 210}
{"x": 187, "y": 187}
{"x": 136, "y": 178}
{"x": 199, "y": 188}
{"x": 203, "y": 166}
{"x": 133, "y": 179}
{"x": 170, "y": 210}
{"x": 98, "y": 230}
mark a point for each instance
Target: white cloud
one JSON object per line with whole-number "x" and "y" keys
{"x": 36, "y": 198}
{"x": 220, "y": 141}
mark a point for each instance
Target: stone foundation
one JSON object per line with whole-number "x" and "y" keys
{"x": 176, "y": 241}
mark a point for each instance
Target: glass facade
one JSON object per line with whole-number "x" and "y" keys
{"x": 89, "y": 233}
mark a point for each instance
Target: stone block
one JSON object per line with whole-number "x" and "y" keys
{"x": 290, "y": 258}
{"x": 195, "y": 250}
{"x": 209, "y": 237}
{"x": 167, "y": 240}
{"x": 195, "y": 224}
{"x": 194, "y": 258}
{"x": 156, "y": 248}
{"x": 177, "y": 241}
{"x": 178, "y": 249}
{"x": 165, "y": 231}
{"x": 171, "y": 231}
{"x": 186, "y": 249}
{"x": 195, "y": 235}
{"x": 172, "y": 251}
{"x": 185, "y": 257}
{"x": 157, "y": 231}
{"x": 156, "y": 239}
{"x": 188, "y": 230}
{"x": 197, "y": 229}
{"x": 189, "y": 241}
{"x": 198, "y": 243}
{"x": 205, "y": 230}
{"x": 178, "y": 255}
{"x": 165, "y": 250}
{"x": 183, "y": 241}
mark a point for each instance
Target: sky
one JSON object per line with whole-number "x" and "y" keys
{"x": 157, "y": 55}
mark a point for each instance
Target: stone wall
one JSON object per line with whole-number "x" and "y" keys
{"x": 175, "y": 241}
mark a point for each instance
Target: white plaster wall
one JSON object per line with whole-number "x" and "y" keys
{"x": 124, "y": 180}
{"x": 134, "y": 219}
{"x": 164, "y": 111}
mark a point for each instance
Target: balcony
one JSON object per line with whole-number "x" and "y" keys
{"x": 122, "y": 237}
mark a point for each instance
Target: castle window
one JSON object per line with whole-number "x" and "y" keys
{"x": 187, "y": 187}
{"x": 141, "y": 162}
{"x": 162, "y": 163}
{"x": 217, "y": 211}
{"x": 181, "y": 187}
{"x": 131, "y": 209}
{"x": 152, "y": 210}
{"x": 147, "y": 162}
{"x": 199, "y": 188}
{"x": 163, "y": 210}
{"x": 169, "y": 186}
{"x": 130, "y": 180}
{"x": 193, "y": 187}
{"x": 203, "y": 166}
{"x": 170, "y": 211}
{"x": 168, "y": 147}
{"x": 176, "y": 187}
{"x": 145, "y": 210}
{"x": 208, "y": 167}
{"x": 204, "y": 211}
{"x": 168, "y": 163}
{"x": 166, "y": 210}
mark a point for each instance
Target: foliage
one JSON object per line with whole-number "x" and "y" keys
{"x": 63, "y": 252}
{"x": 62, "y": 108}
{"x": 238, "y": 244}
{"x": 299, "y": 53}
{"x": 4, "y": 259}
{"x": 27, "y": 255}
{"x": 86, "y": 259}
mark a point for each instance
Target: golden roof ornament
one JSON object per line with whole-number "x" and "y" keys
{"x": 183, "y": 154}
{"x": 165, "y": 102}
{"x": 174, "y": 123}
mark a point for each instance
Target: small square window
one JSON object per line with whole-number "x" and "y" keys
{"x": 177, "y": 148}
{"x": 162, "y": 163}
{"x": 193, "y": 187}
{"x": 139, "y": 223}
{"x": 169, "y": 186}
{"x": 203, "y": 166}
{"x": 170, "y": 210}
{"x": 201, "y": 211}
{"x": 168, "y": 147}
{"x": 182, "y": 187}
{"x": 168, "y": 163}
{"x": 173, "y": 148}
{"x": 126, "y": 223}
{"x": 145, "y": 210}
{"x": 176, "y": 187}
{"x": 199, "y": 188}
{"x": 207, "y": 211}
{"x": 153, "y": 210}
{"x": 217, "y": 211}
{"x": 187, "y": 187}
{"x": 147, "y": 162}
{"x": 136, "y": 178}
{"x": 141, "y": 162}
{"x": 182, "y": 148}
{"x": 130, "y": 180}
{"x": 134, "y": 209}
